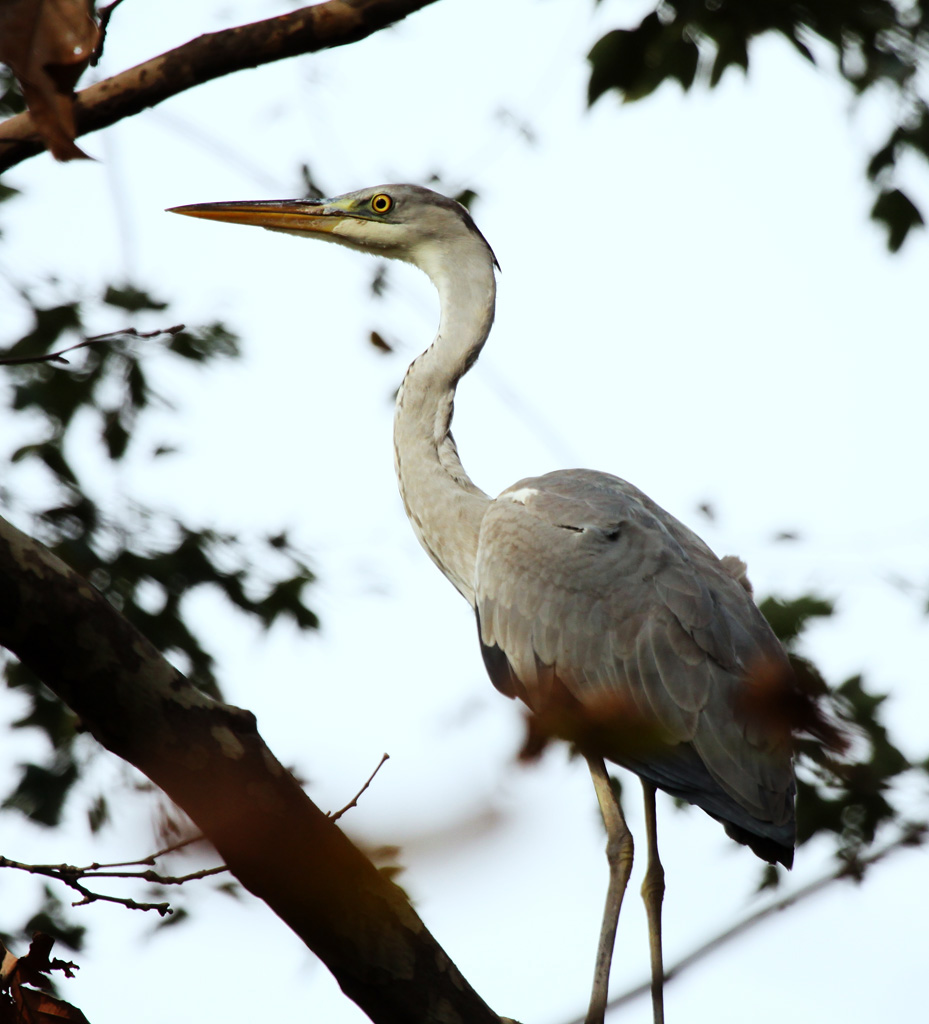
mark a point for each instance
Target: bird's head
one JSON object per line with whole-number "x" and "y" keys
{"x": 405, "y": 222}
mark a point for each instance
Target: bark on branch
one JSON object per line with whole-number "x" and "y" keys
{"x": 210, "y": 56}
{"x": 209, "y": 758}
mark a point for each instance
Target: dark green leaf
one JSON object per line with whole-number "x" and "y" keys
{"x": 379, "y": 282}
{"x": 731, "y": 49}
{"x": 636, "y": 61}
{"x": 74, "y": 519}
{"x": 41, "y": 791}
{"x": 98, "y": 814}
{"x": 47, "y": 714}
{"x": 286, "y": 598}
{"x": 466, "y": 197}
{"x": 115, "y": 436}
{"x": 132, "y": 299}
{"x": 51, "y": 921}
{"x": 883, "y": 158}
{"x": 681, "y": 60}
{"x": 897, "y": 212}
{"x": 770, "y": 878}
{"x": 49, "y": 323}
{"x": 206, "y": 343}
{"x": 864, "y": 704}
{"x": 139, "y": 394}
{"x": 816, "y": 813}
{"x": 311, "y": 189}
{"x": 617, "y": 61}
{"x": 788, "y": 618}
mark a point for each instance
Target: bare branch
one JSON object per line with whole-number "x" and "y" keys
{"x": 97, "y": 339}
{"x": 164, "y": 909}
{"x": 324, "y": 25}
{"x": 354, "y": 802}
{"x": 71, "y": 876}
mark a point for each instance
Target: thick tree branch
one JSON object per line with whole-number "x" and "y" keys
{"x": 210, "y": 56}
{"x": 209, "y": 758}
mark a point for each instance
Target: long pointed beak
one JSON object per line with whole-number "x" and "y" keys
{"x": 305, "y": 215}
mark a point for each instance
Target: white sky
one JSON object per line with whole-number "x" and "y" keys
{"x": 692, "y": 297}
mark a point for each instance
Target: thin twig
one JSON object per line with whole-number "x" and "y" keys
{"x": 97, "y": 339}
{"x": 154, "y": 877}
{"x": 354, "y": 801}
{"x": 164, "y": 909}
{"x": 71, "y": 876}
{"x": 914, "y": 834}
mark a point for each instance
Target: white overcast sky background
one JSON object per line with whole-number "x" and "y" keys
{"x": 692, "y": 297}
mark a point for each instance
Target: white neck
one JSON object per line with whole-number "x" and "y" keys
{"x": 442, "y": 503}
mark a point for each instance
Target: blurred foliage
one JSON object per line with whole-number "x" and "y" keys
{"x": 852, "y": 799}
{"x": 79, "y": 424}
{"x": 788, "y": 619}
{"x": 145, "y": 561}
{"x": 878, "y": 45}
{"x": 50, "y": 919}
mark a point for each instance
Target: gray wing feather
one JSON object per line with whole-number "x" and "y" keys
{"x": 582, "y": 579}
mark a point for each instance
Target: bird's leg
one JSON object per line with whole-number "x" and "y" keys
{"x": 619, "y": 855}
{"x": 653, "y": 894}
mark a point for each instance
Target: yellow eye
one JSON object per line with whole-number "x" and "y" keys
{"x": 381, "y": 203}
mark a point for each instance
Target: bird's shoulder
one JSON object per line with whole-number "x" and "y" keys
{"x": 582, "y": 571}
{"x": 598, "y": 528}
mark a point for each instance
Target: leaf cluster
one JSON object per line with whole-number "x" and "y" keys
{"x": 50, "y": 918}
{"x": 876, "y": 44}
{"x": 853, "y": 797}
{"x": 146, "y": 561}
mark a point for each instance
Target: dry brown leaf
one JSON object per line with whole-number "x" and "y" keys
{"x": 22, "y": 1004}
{"x": 37, "y": 1007}
{"x": 47, "y": 44}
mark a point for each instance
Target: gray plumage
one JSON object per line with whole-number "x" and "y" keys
{"x": 582, "y": 579}
{"x": 613, "y": 622}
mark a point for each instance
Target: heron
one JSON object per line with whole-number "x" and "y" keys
{"x": 614, "y": 623}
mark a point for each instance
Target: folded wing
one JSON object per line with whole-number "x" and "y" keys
{"x": 590, "y": 596}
